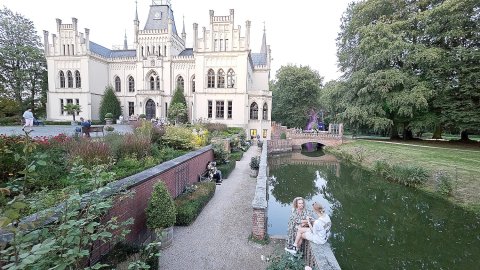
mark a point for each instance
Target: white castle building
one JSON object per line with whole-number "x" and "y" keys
{"x": 223, "y": 81}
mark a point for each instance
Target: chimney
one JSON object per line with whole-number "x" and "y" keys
{"x": 74, "y": 22}
{"x": 87, "y": 39}
{"x": 195, "y": 37}
{"x": 247, "y": 35}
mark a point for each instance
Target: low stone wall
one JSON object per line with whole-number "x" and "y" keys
{"x": 320, "y": 256}
{"x": 260, "y": 203}
{"x": 176, "y": 174}
{"x": 279, "y": 146}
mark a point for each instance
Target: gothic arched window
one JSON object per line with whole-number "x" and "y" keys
{"x": 265, "y": 111}
{"x": 152, "y": 83}
{"x": 69, "y": 79}
{"x": 230, "y": 78}
{"x": 180, "y": 82}
{"x": 211, "y": 79}
{"x": 193, "y": 84}
{"x": 62, "y": 79}
{"x": 254, "y": 111}
{"x": 118, "y": 84}
{"x": 221, "y": 79}
{"x": 158, "y": 82}
{"x": 131, "y": 84}
{"x": 78, "y": 79}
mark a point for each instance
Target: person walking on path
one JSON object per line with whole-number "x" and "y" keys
{"x": 28, "y": 116}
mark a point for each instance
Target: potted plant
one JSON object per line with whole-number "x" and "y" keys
{"x": 161, "y": 214}
{"x": 109, "y": 129}
{"x": 254, "y": 166}
{"x": 108, "y": 118}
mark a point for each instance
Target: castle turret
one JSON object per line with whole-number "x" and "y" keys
{"x": 45, "y": 42}
{"x": 136, "y": 26}
{"x": 195, "y": 37}
{"x": 247, "y": 35}
{"x": 184, "y": 35}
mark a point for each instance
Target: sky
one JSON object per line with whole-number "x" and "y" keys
{"x": 301, "y": 32}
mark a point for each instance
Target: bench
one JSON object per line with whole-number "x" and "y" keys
{"x": 205, "y": 176}
{"x": 90, "y": 129}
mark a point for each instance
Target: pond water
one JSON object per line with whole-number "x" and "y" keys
{"x": 375, "y": 224}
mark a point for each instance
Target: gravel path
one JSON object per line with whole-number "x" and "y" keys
{"x": 218, "y": 239}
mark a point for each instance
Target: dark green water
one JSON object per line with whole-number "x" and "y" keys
{"x": 375, "y": 224}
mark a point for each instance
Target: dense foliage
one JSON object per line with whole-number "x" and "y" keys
{"x": 160, "y": 211}
{"x": 178, "y": 107}
{"x": 109, "y": 104}
{"x": 295, "y": 94}
{"x": 190, "y": 203}
{"x": 409, "y": 66}
{"x": 23, "y": 74}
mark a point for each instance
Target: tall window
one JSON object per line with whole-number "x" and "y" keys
{"x": 211, "y": 78}
{"x": 254, "y": 111}
{"x": 221, "y": 79}
{"x": 230, "y": 78}
{"x": 193, "y": 84}
{"x": 62, "y": 79}
{"x": 78, "y": 80}
{"x": 210, "y": 109}
{"x": 152, "y": 83}
{"x": 77, "y": 101}
{"x": 158, "y": 82}
{"x": 265, "y": 111}
{"x": 118, "y": 84}
{"x": 131, "y": 108}
{"x": 61, "y": 105}
{"x": 229, "y": 110}
{"x": 264, "y": 133}
{"x": 69, "y": 79}
{"x": 131, "y": 84}
{"x": 253, "y": 133}
{"x": 220, "y": 109}
{"x": 180, "y": 82}
{"x": 222, "y": 45}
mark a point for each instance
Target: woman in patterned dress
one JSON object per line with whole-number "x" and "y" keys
{"x": 298, "y": 218}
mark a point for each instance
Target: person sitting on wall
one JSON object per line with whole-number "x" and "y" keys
{"x": 214, "y": 173}
{"x": 85, "y": 126}
{"x": 318, "y": 230}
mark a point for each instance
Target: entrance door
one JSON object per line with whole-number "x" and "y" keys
{"x": 150, "y": 109}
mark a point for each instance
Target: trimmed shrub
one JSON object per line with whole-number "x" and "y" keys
{"x": 237, "y": 156}
{"x": 215, "y": 127}
{"x": 109, "y": 104}
{"x": 178, "y": 137}
{"x": 443, "y": 183}
{"x": 219, "y": 153}
{"x": 283, "y": 136}
{"x": 255, "y": 163}
{"x": 227, "y": 168}
{"x": 160, "y": 211}
{"x": 189, "y": 205}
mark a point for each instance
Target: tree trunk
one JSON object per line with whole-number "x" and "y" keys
{"x": 464, "y": 136}
{"x": 394, "y": 133}
{"x": 437, "y": 134}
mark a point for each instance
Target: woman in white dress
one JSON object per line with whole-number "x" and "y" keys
{"x": 318, "y": 230}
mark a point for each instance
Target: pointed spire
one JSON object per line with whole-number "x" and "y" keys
{"x": 125, "y": 45}
{"x": 264, "y": 41}
{"x": 183, "y": 30}
{"x": 136, "y": 10}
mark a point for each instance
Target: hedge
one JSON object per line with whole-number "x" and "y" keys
{"x": 227, "y": 168}
{"x": 236, "y": 155}
{"x": 190, "y": 205}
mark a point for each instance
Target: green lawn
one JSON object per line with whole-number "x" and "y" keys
{"x": 461, "y": 162}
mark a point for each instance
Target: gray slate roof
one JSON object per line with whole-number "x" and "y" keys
{"x": 259, "y": 59}
{"x": 158, "y": 18}
{"x": 187, "y": 52}
{"x": 107, "y": 53}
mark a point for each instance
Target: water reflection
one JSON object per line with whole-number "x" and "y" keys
{"x": 375, "y": 224}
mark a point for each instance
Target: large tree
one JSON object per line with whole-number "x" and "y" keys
{"x": 406, "y": 62}
{"x": 22, "y": 61}
{"x": 295, "y": 94}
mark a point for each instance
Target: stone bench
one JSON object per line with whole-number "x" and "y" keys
{"x": 90, "y": 129}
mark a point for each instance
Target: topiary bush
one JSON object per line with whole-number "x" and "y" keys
{"x": 283, "y": 136}
{"x": 109, "y": 104}
{"x": 237, "y": 156}
{"x": 178, "y": 137}
{"x": 189, "y": 205}
{"x": 255, "y": 163}
{"x": 160, "y": 211}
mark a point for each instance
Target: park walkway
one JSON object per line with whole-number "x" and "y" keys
{"x": 218, "y": 239}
